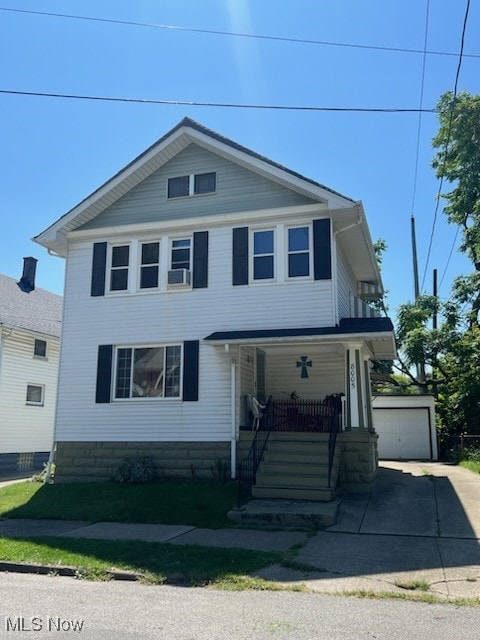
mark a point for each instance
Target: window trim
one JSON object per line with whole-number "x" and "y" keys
{"x": 191, "y": 185}
{"x": 162, "y": 398}
{"x": 171, "y": 240}
{"x": 310, "y": 276}
{"x": 131, "y": 261}
{"x": 37, "y": 356}
{"x": 252, "y": 255}
{"x": 31, "y": 403}
{"x": 140, "y": 242}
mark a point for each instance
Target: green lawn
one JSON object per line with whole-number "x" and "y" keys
{"x": 200, "y": 504}
{"x": 158, "y": 563}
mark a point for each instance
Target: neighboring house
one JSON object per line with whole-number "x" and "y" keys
{"x": 200, "y": 274}
{"x": 30, "y": 325}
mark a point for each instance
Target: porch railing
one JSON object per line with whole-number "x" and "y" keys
{"x": 247, "y": 468}
{"x": 290, "y": 415}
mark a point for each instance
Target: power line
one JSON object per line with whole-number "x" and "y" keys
{"x": 447, "y": 142}
{"x": 230, "y": 105}
{"x": 422, "y": 87}
{"x": 449, "y": 257}
{"x": 235, "y": 34}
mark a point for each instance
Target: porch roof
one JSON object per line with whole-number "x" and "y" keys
{"x": 377, "y": 332}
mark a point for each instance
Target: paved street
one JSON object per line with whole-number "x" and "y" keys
{"x": 131, "y": 611}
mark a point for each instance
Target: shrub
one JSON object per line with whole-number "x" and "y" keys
{"x": 135, "y": 470}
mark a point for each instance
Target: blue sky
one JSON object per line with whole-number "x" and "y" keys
{"x": 54, "y": 152}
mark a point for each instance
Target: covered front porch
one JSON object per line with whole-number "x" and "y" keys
{"x": 314, "y": 431}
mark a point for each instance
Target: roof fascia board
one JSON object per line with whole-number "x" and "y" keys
{"x": 207, "y": 141}
{"x": 113, "y": 182}
{"x": 384, "y": 336}
{"x": 334, "y": 200}
{"x": 240, "y": 217}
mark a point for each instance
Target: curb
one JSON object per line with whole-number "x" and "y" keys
{"x": 70, "y": 572}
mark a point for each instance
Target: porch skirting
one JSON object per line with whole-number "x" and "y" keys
{"x": 98, "y": 461}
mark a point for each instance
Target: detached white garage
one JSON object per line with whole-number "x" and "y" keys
{"x": 406, "y": 427}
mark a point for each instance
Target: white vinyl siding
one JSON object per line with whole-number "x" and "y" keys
{"x": 325, "y": 376}
{"x": 345, "y": 286}
{"x": 169, "y": 318}
{"x": 26, "y": 427}
{"x": 237, "y": 189}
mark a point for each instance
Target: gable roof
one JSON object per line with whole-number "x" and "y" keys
{"x": 38, "y": 311}
{"x": 186, "y": 132}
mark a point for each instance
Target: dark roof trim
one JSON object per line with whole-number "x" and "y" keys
{"x": 346, "y": 326}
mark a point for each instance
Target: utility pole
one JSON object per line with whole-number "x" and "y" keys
{"x": 420, "y": 365}
{"x": 434, "y": 325}
{"x": 415, "y": 260}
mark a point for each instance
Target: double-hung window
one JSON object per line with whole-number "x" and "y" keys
{"x": 299, "y": 252}
{"x": 181, "y": 253}
{"x": 191, "y": 185}
{"x": 119, "y": 262}
{"x": 148, "y": 372}
{"x": 264, "y": 254}
{"x": 149, "y": 265}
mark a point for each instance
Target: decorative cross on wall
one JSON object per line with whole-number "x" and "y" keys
{"x": 304, "y": 363}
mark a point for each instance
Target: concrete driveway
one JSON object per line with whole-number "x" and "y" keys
{"x": 421, "y": 524}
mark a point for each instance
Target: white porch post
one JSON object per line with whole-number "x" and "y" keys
{"x": 356, "y": 388}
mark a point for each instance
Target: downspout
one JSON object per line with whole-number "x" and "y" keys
{"x": 233, "y": 421}
{"x": 335, "y": 234}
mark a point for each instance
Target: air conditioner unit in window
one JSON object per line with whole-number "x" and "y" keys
{"x": 179, "y": 278}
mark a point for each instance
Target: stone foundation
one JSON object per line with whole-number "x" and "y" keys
{"x": 98, "y": 461}
{"x": 359, "y": 465}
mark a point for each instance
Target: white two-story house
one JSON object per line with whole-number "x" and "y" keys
{"x": 198, "y": 276}
{"x": 30, "y": 325}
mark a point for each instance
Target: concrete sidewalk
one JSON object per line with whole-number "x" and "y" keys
{"x": 419, "y": 528}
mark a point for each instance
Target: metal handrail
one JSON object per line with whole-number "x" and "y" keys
{"x": 248, "y": 467}
{"x": 335, "y": 427}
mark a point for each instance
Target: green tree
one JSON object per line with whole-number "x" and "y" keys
{"x": 452, "y": 351}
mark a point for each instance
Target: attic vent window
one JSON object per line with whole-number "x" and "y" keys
{"x": 192, "y": 185}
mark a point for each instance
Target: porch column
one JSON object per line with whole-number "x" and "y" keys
{"x": 368, "y": 395}
{"x": 356, "y": 389}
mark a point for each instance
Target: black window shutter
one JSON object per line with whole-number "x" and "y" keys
{"x": 104, "y": 373}
{"x": 99, "y": 264}
{"x": 190, "y": 370}
{"x": 200, "y": 259}
{"x": 240, "y": 256}
{"x": 322, "y": 251}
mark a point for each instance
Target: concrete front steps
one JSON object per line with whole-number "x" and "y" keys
{"x": 287, "y": 514}
{"x": 295, "y": 467}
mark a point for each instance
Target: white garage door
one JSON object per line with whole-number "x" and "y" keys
{"x": 403, "y": 433}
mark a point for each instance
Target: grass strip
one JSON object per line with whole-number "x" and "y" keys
{"x": 157, "y": 562}
{"x": 471, "y": 465}
{"x": 199, "y": 504}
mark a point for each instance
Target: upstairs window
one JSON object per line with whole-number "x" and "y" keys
{"x": 40, "y": 348}
{"x": 181, "y": 254}
{"x": 120, "y": 257}
{"x": 149, "y": 265}
{"x": 298, "y": 252}
{"x": 148, "y": 372}
{"x": 263, "y": 254}
{"x": 35, "y": 394}
{"x": 192, "y": 185}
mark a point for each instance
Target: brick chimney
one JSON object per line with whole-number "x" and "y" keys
{"x": 27, "y": 281}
